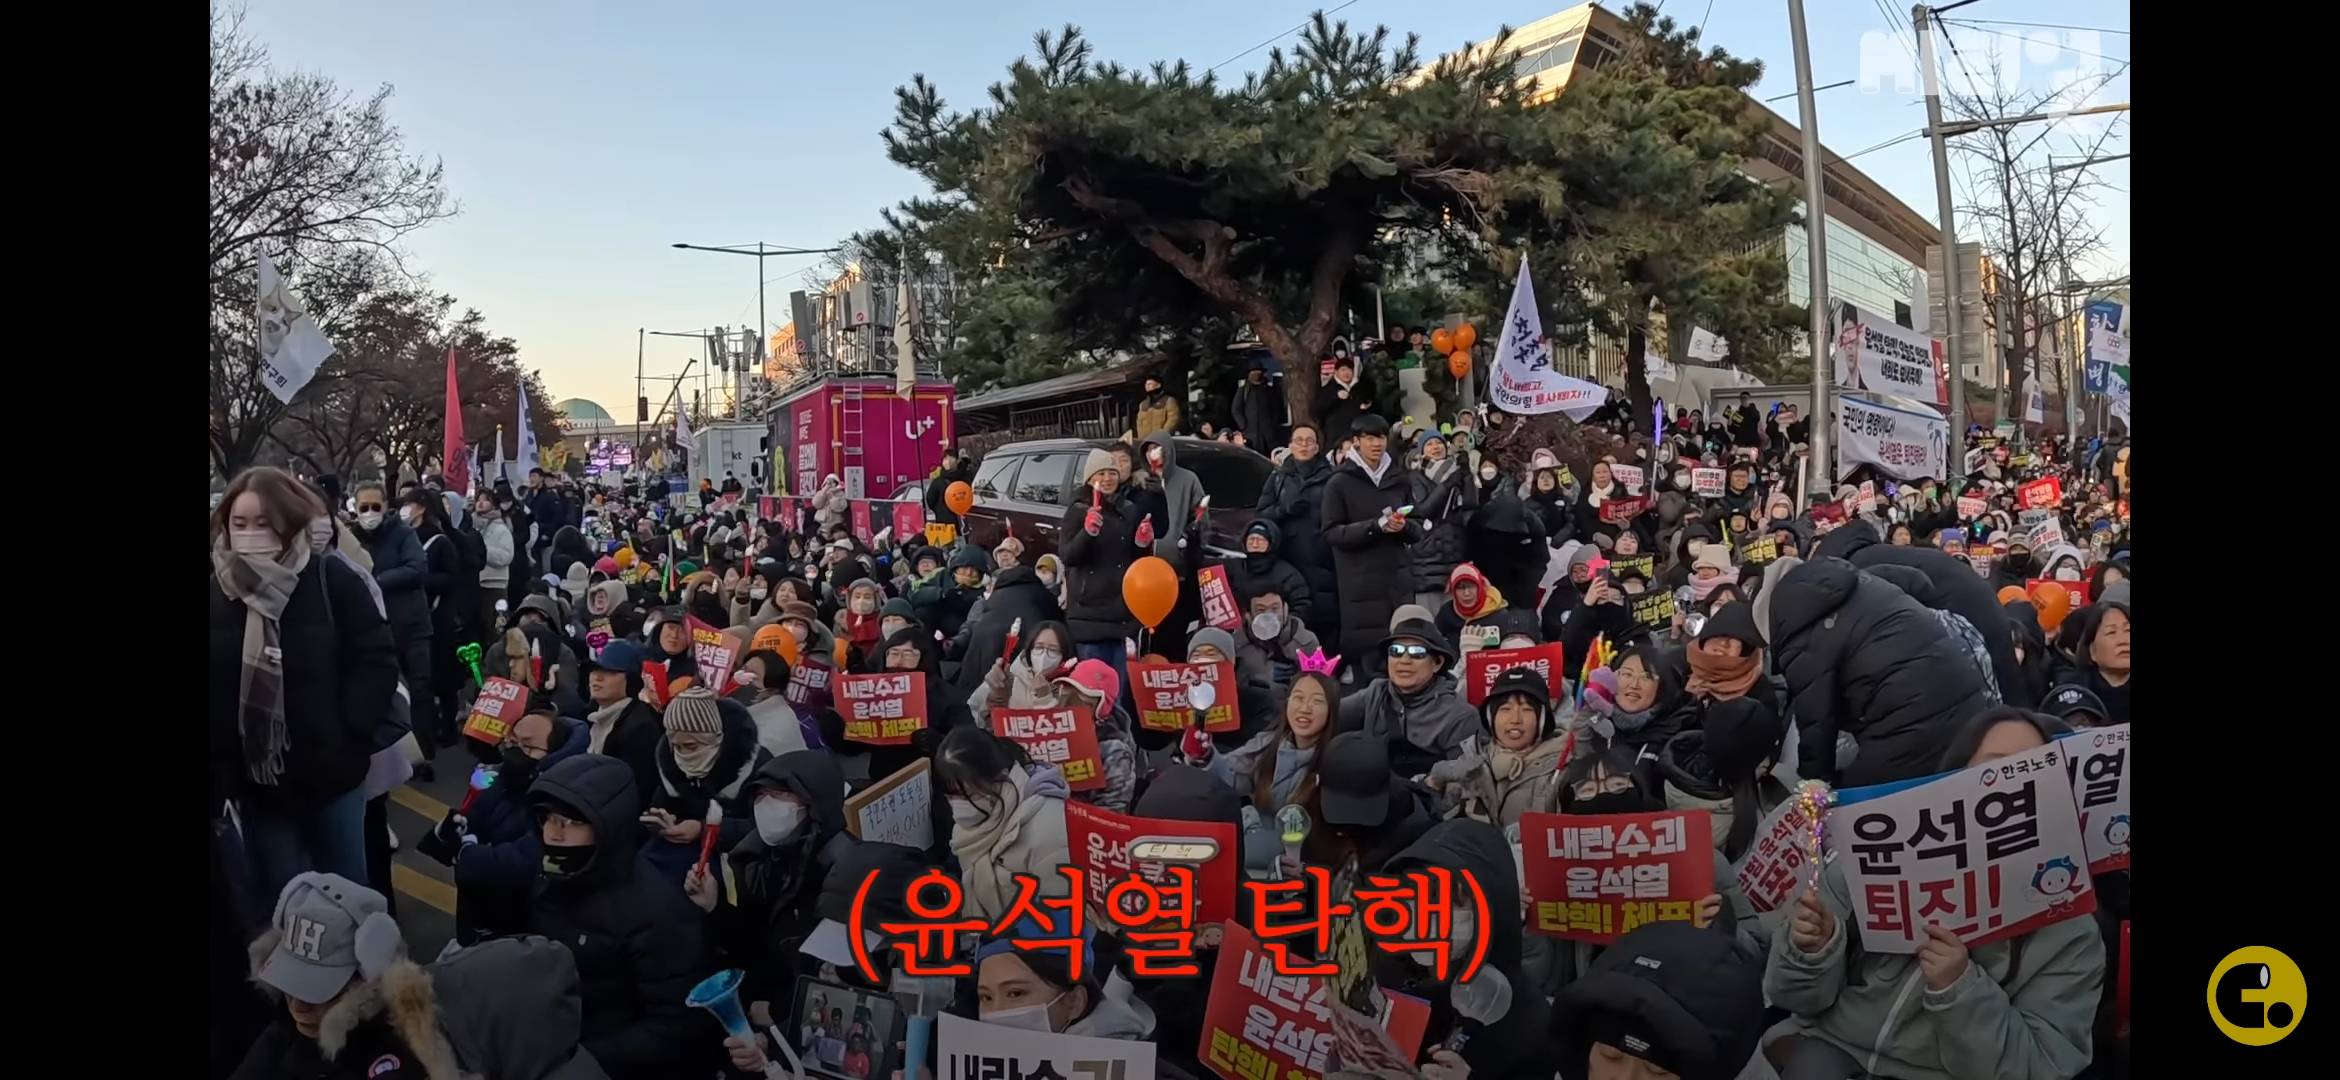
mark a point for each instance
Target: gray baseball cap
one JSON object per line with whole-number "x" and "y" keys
{"x": 332, "y": 929}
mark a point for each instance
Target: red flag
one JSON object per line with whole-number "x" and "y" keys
{"x": 452, "y": 460}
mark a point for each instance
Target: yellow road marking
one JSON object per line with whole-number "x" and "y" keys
{"x": 419, "y": 803}
{"x": 423, "y": 887}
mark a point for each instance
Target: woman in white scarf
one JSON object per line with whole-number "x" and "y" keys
{"x": 1007, "y": 818}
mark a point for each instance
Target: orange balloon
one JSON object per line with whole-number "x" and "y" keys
{"x": 2010, "y": 594}
{"x": 1149, "y": 590}
{"x": 959, "y": 497}
{"x": 2053, "y": 602}
{"x": 1458, "y": 364}
{"x": 1441, "y": 341}
{"x": 1466, "y": 336}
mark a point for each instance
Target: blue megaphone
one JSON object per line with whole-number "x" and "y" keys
{"x": 719, "y": 994}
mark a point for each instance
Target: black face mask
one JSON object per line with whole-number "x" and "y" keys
{"x": 515, "y": 768}
{"x": 1623, "y": 802}
{"x": 2019, "y": 564}
{"x": 484, "y": 753}
{"x": 567, "y": 861}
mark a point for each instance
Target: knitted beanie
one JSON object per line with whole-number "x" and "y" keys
{"x": 693, "y": 712}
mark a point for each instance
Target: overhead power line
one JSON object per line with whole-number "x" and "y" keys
{"x": 1271, "y": 41}
{"x": 2049, "y": 26}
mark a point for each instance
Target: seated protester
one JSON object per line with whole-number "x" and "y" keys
{"x": 776, "y": 873}
{"x": 1864, "y": 658}
{"x": 1273, "y": 639}
{"x": 1254, "y": 696}
{"x": 1092, "y": 689}
{"x": 1711, "y": 569}
{"x": 943, "y": 601}
{"x": 1023, "y": 681}
{"x": 1007, "y": 818}
{"x": 667, "y": 635}
{"x": 1264, "y": 568}
{"x": 620, "y": 722}
{"x": 1018, "y": 596}
{"x": 1512, "y": 1044}
{"x": 1415, "y": 707}
{"x": 755, "y": 601}
{"x": 1649, "y": 694}
{"x": 897, "y": 615}
{"x": 1590, "y": 605}
{"x": 637, "y": 940}
{"x": 858, "y": 626}
{"x": 1668, "y": 999}
{"x": 1277, "y": 767}
{"x": 1518, "y": 770}
{"x": 1728, "y": 732}
{"x": 2039, "y": 666}
{"x": 493, "y": 849}
{"x": 1361, "y": 806}
{"x": 781, "y": 726}
{"x": 815, "y": 647}
{"x": 533, "y": 655}
{"x": 2016, "y": 1008}
{"x": 2098, "y": 639}
{"x": 356, "y": 1006}
{"x": 1471, "y": 603}
{"x": 599, "y": 611}
{"x": 704, "y": 761}
{"x": 703, "y": 597}
{"x": 1174, "y": 1008}
{"x": 1034, "y": 988}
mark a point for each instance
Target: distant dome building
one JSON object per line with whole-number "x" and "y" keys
{"x": 579, "y": 412}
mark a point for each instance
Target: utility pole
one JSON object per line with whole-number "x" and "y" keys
{"x": 1952, "y": 312}
{"x": 641, "y": 403}
{"x": 1823, "y": 419}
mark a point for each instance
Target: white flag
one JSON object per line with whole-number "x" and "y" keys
{"x": 292, "y": 348}
{"x": 682, "y": 427}
{"x": 471, "y": 470}
{"x": 2035, "y": 402}
{"x": 905, "y": 337}
{"x": 1525, "y": 382}
{"x": 525, "y": 447}
{"x": 503, "y": 469}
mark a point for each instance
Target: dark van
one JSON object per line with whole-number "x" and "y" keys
{"x": 1029, "y": 485}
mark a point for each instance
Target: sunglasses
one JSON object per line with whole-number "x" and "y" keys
{"x": 365, "y": 507}
{"x": 1401, "y": 651}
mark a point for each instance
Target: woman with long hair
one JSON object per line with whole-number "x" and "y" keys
{"x": 1277, "y": 768}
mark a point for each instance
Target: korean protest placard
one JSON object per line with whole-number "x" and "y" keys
{"x": 1596, "y": 877}
{"x": 1988, "y": 853}
{"x": 1160, "y": 690}
{"x": 1876, "y": 354}
{"x": 1630, "y": 477}
{"x": 1707, "y": 483}
{"x": 1970, "y": 508}
{"x": 1654, "y": 608}
{"x": 1780, "y": 861}
{"x": 714, "y": 652}
{"x": 1260, "y": 1025}
{"x": 2046, "y": 534}
{"x": 1100, "y": 841}
{"x": 2100, "y": 767}
{"x": 909, "y": 520}
{"x": 493, "y": 712}
{"x": 1642, "y": 566}
{"x": 1218, "y": 600}
{"x": 1901, "y": 444}
{"x": 973, "y": 1050}
{"x": 859, "y": 514}
{"x": 2045, "y": 493}
{"x": 1480, "y": 669}
{"x": 882, "y": 709}
{"x": 1759, "y": 552}
{"x": 2078, "y": 590}
{"x": 896, "y": 810}
{"x": 1618, "y": 510}
{"x": 1060, "y": 737}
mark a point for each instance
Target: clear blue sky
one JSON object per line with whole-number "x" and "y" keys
{"x": 581, "y": 139}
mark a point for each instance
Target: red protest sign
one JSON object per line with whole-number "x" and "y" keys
{"x": 2078, "y": 589}
{"x": 1480, "y": 669}
{"x": 1778, "y": 863}
{"x": 1100, "y": 840}
{"x": 1596, "y": 877}
{"x": 1617, "y": 511}
{"x": 791, "y": 511}
{"x": 714, "y": 651}
{"x": 2045, "y": 493}
{"x": 1160, "y": 690}
{"x": 1280, "y": 1027}
{"x": 654, "y": 676}
{"x": 768, "y": 507}
{"x": 1059, "y": 737}
{"x": 1218, "y": 599}
{"x": 495, "y": 710}
{"x": 1970, "y": 508}
{"x": 858, "y": 510}
{"x": 909, "y": 520}
{"x": 881, "y": 709}
{"x": 808, "y": 685}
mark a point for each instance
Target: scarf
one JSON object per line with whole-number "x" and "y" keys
{"x": 1509, "y": 765}
{"x": 600, "y": 722}
{"x": 1705, "y": 587}
{"x": 265, "y": 587}
{"x": 695, "y": 763}
{"x": 979, "y": 839}
{"x": 1373, "y": 474}
{"x": 1723, "y": 678}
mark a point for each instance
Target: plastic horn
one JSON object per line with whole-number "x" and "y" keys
{"x": 719, "y": 995}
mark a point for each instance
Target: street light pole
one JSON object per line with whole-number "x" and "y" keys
{"x": 760, "y": 252}
{"x": 1951, "y": 308}
{"x": 1816, "y": 244}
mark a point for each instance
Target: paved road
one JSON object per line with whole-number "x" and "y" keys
{"x": 426, "y": 890}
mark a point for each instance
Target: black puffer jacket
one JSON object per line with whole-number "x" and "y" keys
{"x": 1445, "y": 506}
{"x": 399, "y": 568}
{"x": 1015, "y": 594}
{"x": 1294, "y": 500}
{"x": 1509, "y": 541}
{"x": 1375, "y": 567}
{"x": 1864, "y": 657}
{"x": 777, "y": 901}
{"x": 1271, "y": 570}
{"x": 1095, "y": 565}
{"x": 1516, "y": 1044}
{"x": 637, "y": 940}
{"x": 1697, "y": 990}
{"x": 340, "y": 679}
{"x": 1954, "y": 587}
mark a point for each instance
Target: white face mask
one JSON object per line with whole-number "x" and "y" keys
{"x": 864, "y": 606}
{"x": 1045, "y": 660}
{"x": 1029, "y": 1018}
{"x": 777, "y": 819}
{"x": 2066, "y": 573}
{"x": 1266, "y": 625}
{"x": 890, "y": 627}
{"x": 371, "y": 519}
{"x": 260, "y": 543}
{"x": 412, "y": 515}
{"x": 758, "y": 593}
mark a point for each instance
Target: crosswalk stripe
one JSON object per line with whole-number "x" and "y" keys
{"x": 419, "y": 803}
{"x": 423, "y": 887}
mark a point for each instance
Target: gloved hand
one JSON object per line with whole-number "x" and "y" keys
{"x": 1094, "y": 522}
{"x": 1195, "y": 747}
{"x": 1145, "y": 532}
{"x": 445, "y": 839}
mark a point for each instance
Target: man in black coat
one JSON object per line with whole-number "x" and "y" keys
{"x": 1015, "y": 594}
{"x": 399, "y": 570}
{"x": 1263, "y": 569}
{"x": 1863, "y": 657}
{"x": 954, "y": 470}
{"x": 1953, "y": 586}
{"x": 637, "y": 940}
{"x": 1259, "y": 407}
{"x": 1369, "y": 540}
{"x": 1293, "y": 499}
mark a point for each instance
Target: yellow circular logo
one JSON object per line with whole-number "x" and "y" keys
{"x": 2257, "y": 996}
